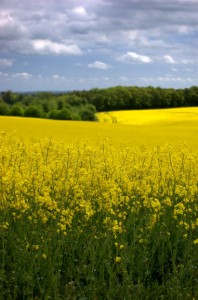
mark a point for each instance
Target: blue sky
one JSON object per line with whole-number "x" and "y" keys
{"x": 72, "y": 44}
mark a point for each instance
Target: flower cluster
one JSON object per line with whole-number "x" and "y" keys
{"x": 52, "y": 193}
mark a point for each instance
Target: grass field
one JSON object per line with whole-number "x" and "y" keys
{"x": 83, "y": 217}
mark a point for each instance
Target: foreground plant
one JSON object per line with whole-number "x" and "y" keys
{"x": 94, "y": 223}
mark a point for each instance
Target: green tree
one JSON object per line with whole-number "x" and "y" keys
{"x": 74, "y": 100}
{"x": 49, "y": 104}
{"x": 87, "y": 114}
{"x": 4, "y": 109}
{"x": 76, "y": 116}
{"x": 16, "y": 110}
{"x": 53, "y": 114}
{"x": 64, "y": 114}
{"x": 33, "y": 112}
{"x": 7, "y": 97}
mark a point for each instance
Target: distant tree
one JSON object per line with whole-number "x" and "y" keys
{"x": 33, "y": 112}
{"x": 90, "y": 107}
{"x": 75, "y": 100}
{"x": 179, "y": 96}
{"x": 7, "y": 97}
{"x": 60, "y": 103}
{"x": 76, "y": 116}
{"x": 53, "y": 114}
{"x": 146, "y": 99}
{"x": 20, "y": 97}
{"x": 27, "y": 99}
{"x": 193, "y": 95}
{"x": 48, "y": 104}
{"x": 4, "y": 109}
{"x": 16, "y": 110}
{"x": 87, "y": 114}
{"x": 44, "y": 95}
{"x": 100, "y": 99}
{"x": 64, "y": 114}
{"x": 158, "y": 98}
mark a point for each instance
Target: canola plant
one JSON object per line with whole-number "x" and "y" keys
{"x": 95, "y": 222}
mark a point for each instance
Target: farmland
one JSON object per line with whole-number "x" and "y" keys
{"x": 100, "y": 210}
{"x": 152, "y": 116}
{"x": 141, "y": 128}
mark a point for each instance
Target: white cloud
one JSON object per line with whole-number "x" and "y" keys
{"x": 184, "y": 29}
{"x": 5, "y": 62}
{"x": 132, "y": 57}
{"x": 169, "y": 59}
{"x": 79, "y": 11}
{"x": 169, "y": 78}
{"x": 49, "y": 47}
{"x": 4, "y": 75}
{"x": 58, "y": 78}
{"x": 187, "y": 61}
{"x": 102, "y": 39}
{"x": 55, "y": 76}
{"x": 99, "y": 65}
{"x": 10, "y": 28}
{"x": 22, "y": 75}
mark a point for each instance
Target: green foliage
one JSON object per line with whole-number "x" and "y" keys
{"x": 53, "y": 114}
{"x": 76, "y": 116}
{"x": 7, "y": 97}
{"x": 33, "y": 112}
{"x": 16, "y": 110}
{"x": 4, "y": 109}
{"x": 87, "y": 114}
{"x": 48, "y": 105}
{"x": 64, "y": 114}
{"x": 75, "y": 100}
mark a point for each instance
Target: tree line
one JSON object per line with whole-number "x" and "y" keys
{"x": 82, "y": 105}
{"x": 46, "y": 105}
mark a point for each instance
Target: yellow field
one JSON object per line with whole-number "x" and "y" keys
{"x": 152, "y": 116}
{"x": 145, "y": 128}
{"x": 98, "y": 220}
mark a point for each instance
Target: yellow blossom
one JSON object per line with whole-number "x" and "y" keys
{"x": 118, "y": 259}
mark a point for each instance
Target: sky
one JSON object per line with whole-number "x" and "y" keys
{"x": 62, "y": 45}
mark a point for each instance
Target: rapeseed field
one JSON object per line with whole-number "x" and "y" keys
{"x": 96, "y": 221}
{"x": 142, "y": 129}
{"x": 150, "y": 116}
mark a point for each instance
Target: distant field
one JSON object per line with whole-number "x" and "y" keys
{"x": 151, "y": 116}
{"x": 133, "y": 128}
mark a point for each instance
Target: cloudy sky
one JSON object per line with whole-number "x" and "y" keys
{"x": 73, "y": 44}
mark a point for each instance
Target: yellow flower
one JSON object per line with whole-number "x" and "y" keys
{"x": 5, "y": 225}
{"x": 118, "y": 259}
{"x": 36, "y": 247}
